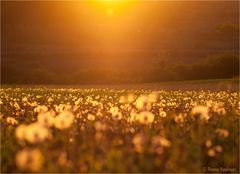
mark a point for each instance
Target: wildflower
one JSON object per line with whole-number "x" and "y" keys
{"x": 38, "y": 96}
{"x": 130, "y": 98}
{"x": 160, "y": 141}
{"x": 59, "y": 108}
{"x": 21, "y": 132}
{"x": 77, "y": 102}
{"x": 221, "y": 111}
{"x": 139, "y": 141}
{"x": 152, "y": 97}
{"x": 114, "y": 110}
{"x": 64, "y": 120}
{"x": 219, "y": 148}
{"x": 35, "y": 133}
{"x": 16, "y": 105}
{"x": 41, "y": 108}
{"x": 99, "y": 136}
{"x": 208, "y": 143}
{"x": 99, "y": 114}
{"x": 71, "y": 140}
{"x": 30, "y": 160}
{"x": 91, "y": 117}
{"x": 11, "y": 120}
{"x": 100, "y": 126}
{"x": 116, "y": 115}
{"x": 202, "y": 111}
{"x": 133, "y": 116}
{"x": 49, "y": 100}
{"x": 46, "y": 118}
{"x": 219, "y": 108}
{"x": 122, "y": 99}
{"x": 179, "y": 118}
{"x": 146, "y": 117}
{"x": 162, "y": 113}
{"x": 222, "y": 132}
{"x": 142, "y": 103}
{"x": 131, "y": 130}
{"x": 211, "y": 152}
{"x": 165, "y": 142}
{"x": 24, "y": 99}
{"x": 62, "y": 159}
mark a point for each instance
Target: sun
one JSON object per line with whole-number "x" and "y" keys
{"x": 109, "y": 11}
{"x": 112, "y": 7}
{"x": 106, "y": 1}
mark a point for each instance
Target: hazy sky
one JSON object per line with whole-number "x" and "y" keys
{"x": 112, "y": 30}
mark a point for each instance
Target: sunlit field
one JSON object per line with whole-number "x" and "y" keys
{"x": 113, "y": 130}
{"x": 119, "y": 86}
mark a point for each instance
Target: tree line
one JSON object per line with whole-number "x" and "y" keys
{"x": 214, "y": 67}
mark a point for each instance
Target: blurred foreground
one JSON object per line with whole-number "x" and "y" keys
{"x": 111, "y": 130}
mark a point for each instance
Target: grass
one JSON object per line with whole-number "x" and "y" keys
{"x": 207, "y": 84}
{"x": 112, "y": 130}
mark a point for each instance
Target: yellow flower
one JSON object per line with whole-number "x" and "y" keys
{"x": 21, "y": 132}
{"x": 179, "y": 118}
{"x": 29, "y": 160}
{"x": 139, "y": 141}
{"x": 219, "y": 148}
{"x": 123, "y": 99}
{"x": 222, "y": 132}
{"x": 160, "y": 141}
{"x": 62, "y": 159}
{"x": 64, "y": 120}
{"x": 46, "y": 118}
{"x": 153, "y": 97}
{"x": 133, "y": 117}
{"x": 130, "y": 98}
{"x": 12, "y": 121}
{"x": 114, "y": 110}
{"x": 91, "y": 117}
{"x": 116, "y": 115}
{"x": 162, "y": 113}
{"x": 99, "y": 136}
{"x": 221, "y": 111}
{"x": 143, "y": 103}
{"x": 208, "y": 143}
{"x": 49, "y": 100}
{"x": 100, "y": 126}
{"x": 146, "y": 117}
{"x": 24, "y": 99}
{"x": 41, "y": 108}
{"x": 16, "y": 105}
{"x": 36, "y": 133}
{"x": 211, "y": 152}
{"x": 202, "y": 111}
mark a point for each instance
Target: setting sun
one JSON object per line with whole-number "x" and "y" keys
{"x": 109, "y": 11}
{"x": 112, "y": 6}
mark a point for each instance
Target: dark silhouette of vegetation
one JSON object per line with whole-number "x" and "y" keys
{"x": 214, "y": 67}
{"x": 229, "y": 29}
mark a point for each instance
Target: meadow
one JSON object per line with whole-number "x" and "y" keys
{"x": 53, "y": 129}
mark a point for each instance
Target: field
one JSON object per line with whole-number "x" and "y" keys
{"x": 54, "y": 129}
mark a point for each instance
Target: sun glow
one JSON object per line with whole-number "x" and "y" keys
{"x": 110, "y": 11}
{"x": 112, "y": 7}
